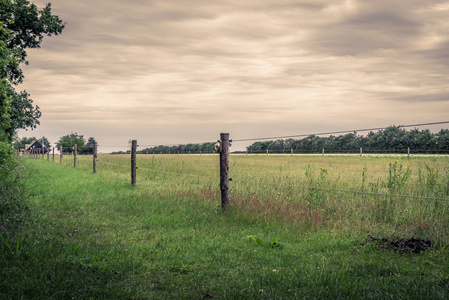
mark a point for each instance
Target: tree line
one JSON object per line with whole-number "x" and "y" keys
{"x": 182, "y": 149}
{"x": 393, "y": 139}
{"x": 67, "y": 142}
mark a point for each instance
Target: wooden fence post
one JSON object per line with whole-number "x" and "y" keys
{"x": 95, "y": 158}
{"x": 53, "y": 153}
{"x": 292, "y": 151}
{"x": 75, "y": 152}
{"x": 43, "y": 153}
{"x": 323, "y": 152}
{"x": 48, "y": 155}
{"x": 360, "y": 151}
{"x": 133, "y": 161}
{"x": 60, "y": 155}
{"x": 224, "y": 170}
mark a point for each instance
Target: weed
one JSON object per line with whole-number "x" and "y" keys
{"x": 397, "y": 176}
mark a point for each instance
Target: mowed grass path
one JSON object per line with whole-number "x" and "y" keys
{"x": 93, "y": 236}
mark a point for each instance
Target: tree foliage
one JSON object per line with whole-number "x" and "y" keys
{"x": 69, "y": 141}
{"x": 22, "y": 26}
{"x": 183, "y": 149}
{"x": 390, "y": 140}
{"x": 20, "y": 143}
{"x": 27, "y": 26}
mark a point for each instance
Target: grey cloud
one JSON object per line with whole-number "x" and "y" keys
{"x": 288, "y": 62}
{"x": 437, "y": 97}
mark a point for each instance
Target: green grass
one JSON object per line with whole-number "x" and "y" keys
{"x": 93, "y": 236}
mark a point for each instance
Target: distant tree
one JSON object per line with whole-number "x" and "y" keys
{"x": 20, "y": 143}
{"x": 390, "y": 139}
{"x": 68, "y": 142}
{"x": 89, "y": 148}
{"x": 44, "y": 141}
{"x": 442, "y": 140}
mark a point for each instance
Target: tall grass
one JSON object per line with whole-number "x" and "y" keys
{"x": 305, "y": 191}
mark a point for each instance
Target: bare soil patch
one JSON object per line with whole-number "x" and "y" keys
{"x": 412, "y": 245}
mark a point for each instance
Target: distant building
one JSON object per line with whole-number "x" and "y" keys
{"x": 35, "y": 147}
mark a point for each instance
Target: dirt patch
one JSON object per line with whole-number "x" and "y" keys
{"x": 413, "y": 245}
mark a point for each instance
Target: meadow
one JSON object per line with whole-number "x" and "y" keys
{"x": 297, "y": 228}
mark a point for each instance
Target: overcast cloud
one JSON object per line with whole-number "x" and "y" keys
{"x": 168, "y": 72}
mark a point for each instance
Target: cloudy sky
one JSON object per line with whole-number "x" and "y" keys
{"x": 176, "y": 71}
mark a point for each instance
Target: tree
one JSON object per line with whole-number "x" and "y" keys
{"x": 27, "y": 26}
{"x": 89, "y": 148}
{"x": 20, "y": 143}
{"x": 68, "y": 142}
{"x": 22, "y": 26}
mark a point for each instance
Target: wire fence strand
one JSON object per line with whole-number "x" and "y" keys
{"x": 336, "y": 132}
{"x": 288, "y": 185}
{"x": 341, "y": 191}
{"x": 166, "y": 172}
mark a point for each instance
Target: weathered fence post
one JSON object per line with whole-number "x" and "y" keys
{"x": 43, "y": 153}
{"x": 133, "y": 161}
{"x": 292, "y": 151}
{"x": 95, "y": 158}
{"x": 75, "y": 152}
{"x": 53, "y": 154}
{"x": 224, "y": 169}
{"x": 323, "y": 152}
{"x": 48, "y": 155}
{"x": 60, "y": 155}
{"x": 360, "y": 151}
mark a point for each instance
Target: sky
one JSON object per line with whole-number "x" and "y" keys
{"x": 177, "y": 72}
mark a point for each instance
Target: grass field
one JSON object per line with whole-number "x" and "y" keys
{"x": 93, "y": 236}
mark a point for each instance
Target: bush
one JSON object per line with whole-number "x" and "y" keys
{"x": 12, "y": 207}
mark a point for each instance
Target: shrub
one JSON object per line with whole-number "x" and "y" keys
{"x": 12, "y": 208}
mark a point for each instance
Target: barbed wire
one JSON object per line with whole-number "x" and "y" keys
{"x": 158, "y": 171}
{"x": 258, "y": 182}
{"x": 279, "y": 137}
{"x": 176, "y": 173}
{"x": 341, "y": 191}
{"x": 108, "y": 163}
{"x": 336, "y": 132}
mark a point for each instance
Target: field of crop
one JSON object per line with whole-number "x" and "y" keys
{"x": 298, "y": 226}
